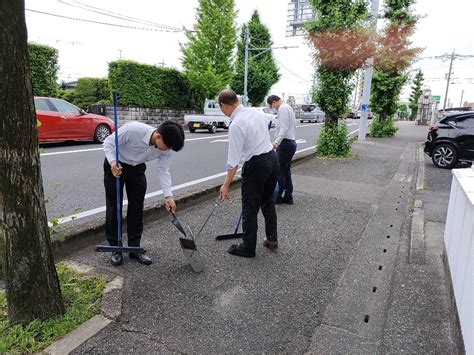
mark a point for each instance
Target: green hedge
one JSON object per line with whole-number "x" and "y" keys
{"x": 150, "y": 86}
{"x": 44, "y": 69}
{"x": 90, "y": 91}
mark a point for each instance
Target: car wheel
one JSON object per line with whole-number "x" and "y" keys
{"x": 213, "y": 128}
{"x": 301, "y": 121}
{"x": 101, "y": 132}
{"x": 192, "y": 130}
{"x": 444, "y": 156}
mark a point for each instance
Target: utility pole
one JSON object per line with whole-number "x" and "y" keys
{"x": 367, "y": 78}
{"x": 120, "y": 53}
{"x": 246, "y": 69}
{"x": 356, "y": 89}
{"x": 449, "y": 79}
{"x": 462, "y": 95}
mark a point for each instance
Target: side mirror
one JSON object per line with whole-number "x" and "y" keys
{"x": 83, "y": 112}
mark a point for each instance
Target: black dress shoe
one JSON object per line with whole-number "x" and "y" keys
{"x": 117, "y": 258}
{"x": 287, "y": 200}
{"x": 141, "y": 258}
{"x": 239, "y": 250}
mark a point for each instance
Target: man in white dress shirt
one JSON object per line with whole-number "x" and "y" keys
{"x": 138, "y": 144}
{"x": 251, "y": 148}
{"x": 285, "y": 145}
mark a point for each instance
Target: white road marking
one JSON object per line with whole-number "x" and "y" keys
{"x": 300, "y": 141}
{"x": 201, "y": 138}
{"x": 220, "y": 141}
{"x": 187, "y": 140}
{"x": 71, "y": 151}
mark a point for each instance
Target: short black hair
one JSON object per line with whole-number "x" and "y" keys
{"x": 272, "y": 98}
{"x": 172, "y": 134}
{"x": 228, "y": 97}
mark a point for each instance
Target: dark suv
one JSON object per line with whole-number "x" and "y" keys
{"x": 451, "y": 140}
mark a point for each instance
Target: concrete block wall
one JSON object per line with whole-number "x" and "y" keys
{"x": 150, "y": 116}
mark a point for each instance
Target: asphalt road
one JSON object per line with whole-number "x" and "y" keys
{"x": 72, "y": 172}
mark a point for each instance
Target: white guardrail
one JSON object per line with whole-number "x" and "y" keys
{"x": 459, "y": 243}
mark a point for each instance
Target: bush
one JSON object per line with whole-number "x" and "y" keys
{"x": 66, "y": 94}
{"x": 149, "y": 86}
{"x": 90, "y": 91}
{"x": 385, "y": 128}
{"x": 44, "y": 69}
{"x": 333, "y": 142}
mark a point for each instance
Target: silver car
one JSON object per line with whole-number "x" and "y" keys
{"x": 311, "y": 113}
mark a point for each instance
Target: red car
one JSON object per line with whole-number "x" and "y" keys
{"x": 58, "y": 120}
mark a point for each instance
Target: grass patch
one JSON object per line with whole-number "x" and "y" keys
{"x": 81, "y": 295}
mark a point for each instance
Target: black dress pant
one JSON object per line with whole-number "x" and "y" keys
{"x": 285, "y": 152}
{"x": 259, "y": 178}
{"x": 134, "y": 179}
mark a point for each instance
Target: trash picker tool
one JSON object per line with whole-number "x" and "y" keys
{"x": 189, "y": 246}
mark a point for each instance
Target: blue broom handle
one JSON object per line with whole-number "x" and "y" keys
{"x": 117, "y": 178}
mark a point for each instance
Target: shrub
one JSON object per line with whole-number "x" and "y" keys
{"x": 149, "y": 86}
{"x": 66, "y": 94}
{"x": 385, "y": 128}
{"x": 90, "y": 91}
{"x": 333, "y": 142}
{"x": 44, "y": 69}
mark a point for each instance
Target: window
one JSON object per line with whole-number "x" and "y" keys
{"x": 466, "y": 122}
{"x": 66, "y": 107}
{"x": 42, "y": 105}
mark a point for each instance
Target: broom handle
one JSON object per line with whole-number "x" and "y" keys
{"x": 238, "y": 223}
{"x": 117, "y": 178}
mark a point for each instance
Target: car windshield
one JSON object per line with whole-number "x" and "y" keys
{"x": 308, "y": 108}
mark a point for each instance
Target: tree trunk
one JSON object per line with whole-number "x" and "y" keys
{"x": 32, "y": 283}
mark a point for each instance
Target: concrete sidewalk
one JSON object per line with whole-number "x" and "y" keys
{"x": 341, "y": 281}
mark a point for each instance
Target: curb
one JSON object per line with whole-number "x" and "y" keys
{"x": 417, "y": 235}
{"x": 420, "y": 180}
{"x": 111, "y": 309}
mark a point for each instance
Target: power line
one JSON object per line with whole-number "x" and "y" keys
{"x": 296, "y": 75}
{"x": 103, "y": 23}
{"x": 116, "y": 15}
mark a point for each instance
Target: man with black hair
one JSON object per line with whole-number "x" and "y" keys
{"x": 138, "y": 144}
{"x": 285, "y": 145}
{"x": 250, "y": 147}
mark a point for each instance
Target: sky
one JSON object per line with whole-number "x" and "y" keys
{"x": 85, "y": 48}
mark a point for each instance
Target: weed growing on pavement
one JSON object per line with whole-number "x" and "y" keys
{"x": 81, "y": 295}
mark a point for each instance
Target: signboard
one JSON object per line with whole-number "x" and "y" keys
{"x": 436, "y": 98}
{"x": 364, "y": 107}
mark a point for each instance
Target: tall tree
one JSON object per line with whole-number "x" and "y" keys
{"x": 262, "y": 69}
{"x": 342, "y": 43}
{"x": 31, "y": 279}
{"x": 207, "y": 57}
{"x": 392, "y": 58}
{"x": 416, "y": 92}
